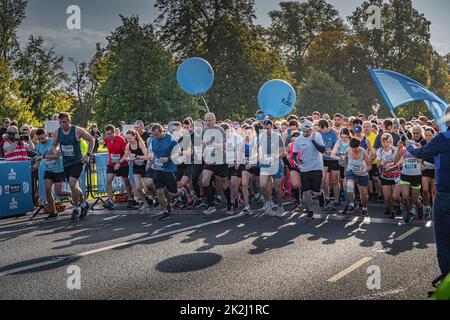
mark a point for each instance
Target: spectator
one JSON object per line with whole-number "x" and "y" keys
{"x": 5, "y": 124}
{"x": 139, "y": 127}
{"x": 439, "y": 148}
{"x": 25, "y": 133}
{"x": 95, "y": 133}
{"x": 15, "y": 148}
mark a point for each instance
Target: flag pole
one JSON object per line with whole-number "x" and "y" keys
{"x": 401, "y": 127}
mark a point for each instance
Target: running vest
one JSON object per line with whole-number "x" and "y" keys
{"x": 410, "y": 165}
{"x": 70, "y": 147}
{"x": 138, "y": 152}
{"x": 357, "y": 165}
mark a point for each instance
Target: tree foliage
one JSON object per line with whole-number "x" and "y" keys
{"x": 41, "y": 77}
{"x": 139, "y": 78}
{"x": 12, "y": 12}
{"x": 324, "y": 94}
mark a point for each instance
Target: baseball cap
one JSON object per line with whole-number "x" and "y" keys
{"x": 307, "y": 125}
{"x": 358, "y": 129}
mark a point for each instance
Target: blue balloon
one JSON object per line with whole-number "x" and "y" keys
{"x": 195, "y": 76}
{"x": 277, "y": 98}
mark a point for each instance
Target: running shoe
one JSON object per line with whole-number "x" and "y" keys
{"x": 321, "y": 200}
{"x": 75, "y": 215}
{"x": 209, "y": 211}
{"x": 52, "y": 216}
{"x": 164, "y": 216}
{"x": 84, "y": 207}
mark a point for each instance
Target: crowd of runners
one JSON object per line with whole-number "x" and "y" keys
{"x": 343, "y": 162}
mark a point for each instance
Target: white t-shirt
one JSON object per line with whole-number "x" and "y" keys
{"x": 311, "y": 157}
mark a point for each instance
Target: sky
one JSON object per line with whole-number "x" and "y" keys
{"x": 47, "y": 18}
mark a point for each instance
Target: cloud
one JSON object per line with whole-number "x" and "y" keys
{"x": 443, "y": 48}
{"x": 79, "y": 44}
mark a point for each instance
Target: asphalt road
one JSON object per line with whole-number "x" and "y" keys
{"x": 131, "y": 255}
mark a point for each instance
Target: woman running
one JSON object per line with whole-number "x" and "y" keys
{"x": 428, "y": 175}
{"x": 389, "y": 173}
{"x": 338, "y": 153}
{"x": 136, "y": 152}
{"x": 251, "y": 169}
{"x": 358, "y": 165}
{"x": 411, "y": 183}
{"x": 294, "y": 171}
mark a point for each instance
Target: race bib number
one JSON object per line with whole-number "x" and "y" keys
{"x": 115, "y": 158}
{"x": 67, "y": 150}
{"x": 50, "y": 164}
{"x": 158, "y": 165}
{"x": 139, "y": 162}
{"x": 411, "y": 163}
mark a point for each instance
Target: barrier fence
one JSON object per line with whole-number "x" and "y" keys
{"x": 22, "y": 191}
{"x": 16, "y": 188}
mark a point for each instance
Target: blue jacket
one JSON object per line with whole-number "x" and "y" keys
{"x": 439, "y": 148}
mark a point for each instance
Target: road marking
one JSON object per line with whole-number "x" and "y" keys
{"x": 114, "y": 246}
{"x": 407, "y": 234}
{"x": 350, "y": 269}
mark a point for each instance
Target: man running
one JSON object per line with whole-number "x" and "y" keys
{"x": 54, "y": 170}
{"x": 116, "y": 146}
{"x": 214, "y": 144}
{"x": 331, "y": 166}
{"x": 311, "y": 148}
{"x": 271, "y": 152}
{"x": 165, "y": 150}
{"x": 68, "y": 138}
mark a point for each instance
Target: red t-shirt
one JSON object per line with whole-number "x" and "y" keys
{"x": 116, "y": 150}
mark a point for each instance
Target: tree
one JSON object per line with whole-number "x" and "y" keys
{"x": 12, "y": 12}
{"x": 190, "y": 27}
{"x": 140, "y": 78}
{"x": 84, "y": 85}
{"x": 11, "y": 104}
{"x": 439, "y": 76}
{"x": 223, "y": 33}
{"x": 403, "y": 44}
{"x": 41, "y": 77}
{"x": 295, "y": 26}
{"x": 324, "y": 94}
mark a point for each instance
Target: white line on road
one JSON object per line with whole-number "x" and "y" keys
{"x": 114, "y": 246}
{"x": 407, "y": 234}
{"x": 350, "y": 269}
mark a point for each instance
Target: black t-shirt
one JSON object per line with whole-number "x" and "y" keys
{"x": 258, "y": 127}
{"x": 2, "y": 132}
{"x": 145, "y": 137}
{"x": 377, "y": 144}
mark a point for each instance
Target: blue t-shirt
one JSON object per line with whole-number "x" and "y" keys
{"x": 163, "y": 149}
{"x": 55, "y": 166}
{"x": 329, "y": 140}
